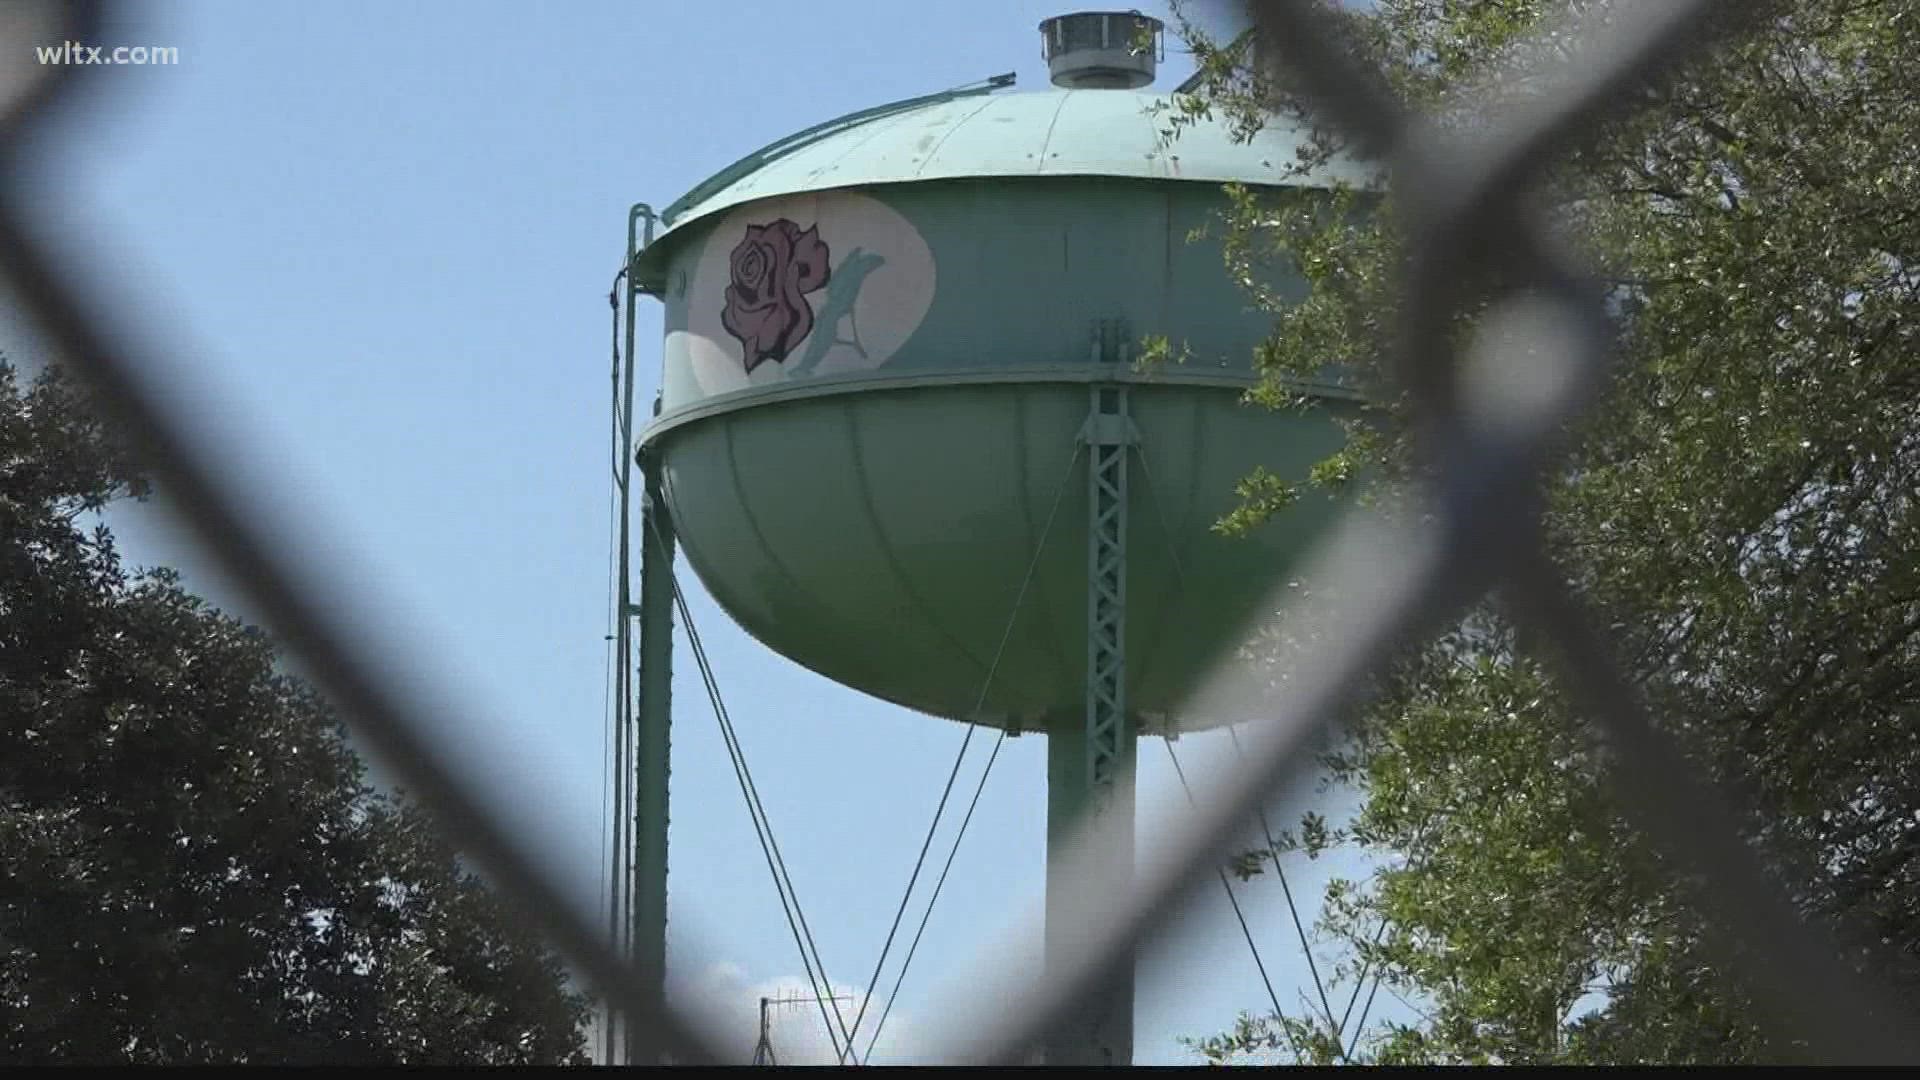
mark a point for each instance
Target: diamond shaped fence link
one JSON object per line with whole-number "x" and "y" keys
{"x": 1397, "y": 578}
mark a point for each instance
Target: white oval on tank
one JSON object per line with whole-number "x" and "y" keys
{"x": 797, "y": 287}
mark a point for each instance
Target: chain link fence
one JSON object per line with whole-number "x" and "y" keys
{"x": 1487, "y": 419}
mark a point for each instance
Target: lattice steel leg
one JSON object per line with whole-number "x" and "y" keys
{"x": 654, "y": 719}
{"x": 1090, "y": 758}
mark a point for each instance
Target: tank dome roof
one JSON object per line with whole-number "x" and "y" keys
{"x": 1076, "y": 132}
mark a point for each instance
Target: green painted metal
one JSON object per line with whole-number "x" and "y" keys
{"x": 1100, "y": 1030}
{"x": 653, "y": 733}
{"x": 1090, "y": 771}
{"x": 1086, "y": 133}
{"x": 873, "y": 523}
{"x": 879, "y": 538}
{"x": 863, "y": 383}
{"x": 1109, "y": 435}
{"x": 759, "y": 160}
{"x": 637, "y": 908}
{"x": 1028, "y": 272}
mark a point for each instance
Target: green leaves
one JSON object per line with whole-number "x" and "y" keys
{"x": 1157, "y": 349}
{"x": 1742, "y": 509}
{"x": 192, "y": 868}
{"x": 1262, "y": 495}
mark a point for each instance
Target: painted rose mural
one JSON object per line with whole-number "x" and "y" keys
{"x": 773, "y": 269}
{"x": 809, "y": 286}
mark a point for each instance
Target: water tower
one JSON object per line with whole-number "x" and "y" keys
{"x": 901, "y": 342}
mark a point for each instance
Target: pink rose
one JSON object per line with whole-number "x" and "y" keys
{"x": 774, "y": 268}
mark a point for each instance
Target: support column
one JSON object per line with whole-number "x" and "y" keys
{"x": 1090, "y": 758}
{"x": 654, "y": 719}
{"x": 642, "y": 713}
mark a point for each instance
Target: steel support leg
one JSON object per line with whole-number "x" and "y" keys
{"x": 1090, "y": 758}
{"x": 642, "y": 720}
{"x": 651, "y": 738}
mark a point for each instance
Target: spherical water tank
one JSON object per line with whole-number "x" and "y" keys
{"x": 880, "y": 342}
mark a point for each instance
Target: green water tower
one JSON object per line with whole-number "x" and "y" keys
{"x": 901, "y": 351}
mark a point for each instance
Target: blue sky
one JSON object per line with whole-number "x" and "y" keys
{"x": 378, "y": 239}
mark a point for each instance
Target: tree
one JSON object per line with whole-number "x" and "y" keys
{"x": 193, "y": 868}
{"x": 1743, "y": 508}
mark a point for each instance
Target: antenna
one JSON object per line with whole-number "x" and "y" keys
{"x": 763, "y": 1050}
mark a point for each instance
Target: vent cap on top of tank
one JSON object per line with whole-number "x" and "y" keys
{"x": 1102, "y": 50}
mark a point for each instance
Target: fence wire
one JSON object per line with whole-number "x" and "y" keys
{"x": 1398, "y": 577}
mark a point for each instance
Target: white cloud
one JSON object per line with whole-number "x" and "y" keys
{"x": 728, "y": 998}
